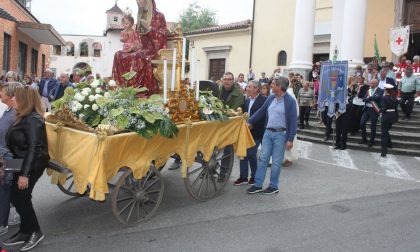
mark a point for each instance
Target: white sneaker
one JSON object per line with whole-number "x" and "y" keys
{"x": 3, "y": 230}
{"x": 14, "y": 219}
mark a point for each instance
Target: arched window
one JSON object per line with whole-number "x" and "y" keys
{"x": 69, "y": 49}
{"x": 97, "y": 48}
{"x": 84, "y": 49}
{"x": 57, "y": 50}
{"x": 282, "y": 58}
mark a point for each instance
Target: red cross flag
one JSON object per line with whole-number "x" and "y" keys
{"x": 399, "y": 38}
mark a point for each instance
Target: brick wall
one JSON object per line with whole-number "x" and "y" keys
{"x": 9, "y": 27}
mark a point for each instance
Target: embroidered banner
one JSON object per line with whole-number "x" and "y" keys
{"x": 333, "y": 87}
{"x": 399, "y": 38}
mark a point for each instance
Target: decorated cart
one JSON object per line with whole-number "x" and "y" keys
{"x": 84, "y": 163}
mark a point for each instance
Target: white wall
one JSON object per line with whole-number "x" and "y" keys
{"x": 237, "y": 59}
{"x": 273, "y": 32}
{"x": 102, "y": 65}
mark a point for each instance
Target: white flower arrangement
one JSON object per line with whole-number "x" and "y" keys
{"x": 112, "y": 83}
{"x": 97, "y": 104}
{"x": 79, "y": 97}
{"x": 95, "y": 83}
{"x": 85, "y": 92}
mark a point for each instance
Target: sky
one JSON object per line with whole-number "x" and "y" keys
{"x": 87, "y": 17}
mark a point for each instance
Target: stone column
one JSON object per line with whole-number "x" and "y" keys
{"x": 354, "y": 26}
{"x": 303, "y": 38}
{"x": 337, "y": 28}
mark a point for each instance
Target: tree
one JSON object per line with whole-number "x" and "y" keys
{"x": 197, "y": 17}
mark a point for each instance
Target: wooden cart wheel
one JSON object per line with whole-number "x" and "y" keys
{"x": 69, "y": 188}
{"x": 206, "y": 180}
{"x": 137, "y": 200}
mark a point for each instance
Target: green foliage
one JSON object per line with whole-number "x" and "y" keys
{"x": 211, "y": 108}
{"x": 120, "y": 107}
{"x": 197, "y": 17}
{"x": 129, "y": 75}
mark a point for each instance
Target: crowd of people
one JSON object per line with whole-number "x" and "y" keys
{"x": 276, "y": 105}
{"x": 374, "y": 93}
{"x": 52, "y": 87}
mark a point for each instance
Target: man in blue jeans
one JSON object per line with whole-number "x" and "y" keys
{"x": 252, "y": 104}
{"x": 281, "y": 123}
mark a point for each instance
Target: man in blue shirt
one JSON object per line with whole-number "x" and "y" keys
{"x": 47, "y": 87}
{"x": 281, "y": 122}
{"x": 61, "y": 86}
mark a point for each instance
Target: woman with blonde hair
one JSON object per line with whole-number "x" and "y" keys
{"x": 27, "y": 140}
{"x": 11, "y": 76}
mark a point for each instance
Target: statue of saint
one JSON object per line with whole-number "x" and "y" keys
{"x": 140, "y": 46}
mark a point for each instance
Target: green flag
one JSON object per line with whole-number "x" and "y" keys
{"x": 375, "y": 46}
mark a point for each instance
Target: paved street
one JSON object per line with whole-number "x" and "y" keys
{"x": 329, "y": 201}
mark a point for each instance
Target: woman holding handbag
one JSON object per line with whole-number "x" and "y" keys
{"x": 27, "y": 140}
{"x": 7, "y": 92}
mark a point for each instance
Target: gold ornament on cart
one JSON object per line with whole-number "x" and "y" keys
{"x": 67, "y": 118}
{"x": 182, "y": 105}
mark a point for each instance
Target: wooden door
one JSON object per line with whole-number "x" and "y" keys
{"x": 412, "y": 15}
{"x": 217, "y": 69}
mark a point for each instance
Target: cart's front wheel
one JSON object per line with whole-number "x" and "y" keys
{"x": 137, "y": 200}
{"x": 206, "y": 180}
{"x": 69, "y": 188}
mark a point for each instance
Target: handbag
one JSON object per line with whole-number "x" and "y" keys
{"x": 9, "y": 166}
{"x": 13, "y": 165}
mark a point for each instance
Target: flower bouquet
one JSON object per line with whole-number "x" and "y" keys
{"x": 97, "y": 104}
{"x": 211, "y": 108}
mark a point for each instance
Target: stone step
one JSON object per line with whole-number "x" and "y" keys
{"x": 400, "y": 126}
{"x": 363, "y": 147}
{"x": 397, "y": 140}
{"x": 395, "y": 134}
{"x": 409, "y": 123}
{"x": 414, "y": 116}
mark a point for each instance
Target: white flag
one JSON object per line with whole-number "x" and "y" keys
{"x": 399, "y": 40}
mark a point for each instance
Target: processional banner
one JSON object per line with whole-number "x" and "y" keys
{"x": 399, "y": 38}
{"x": 333, "y": 87}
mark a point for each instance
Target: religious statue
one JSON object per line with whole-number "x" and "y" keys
{"x": 140, "y": 46}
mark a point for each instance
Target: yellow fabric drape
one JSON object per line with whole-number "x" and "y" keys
{"x": 96, "y": 159}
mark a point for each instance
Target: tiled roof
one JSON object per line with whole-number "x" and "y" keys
{"x": 115, "y": 9}
{"x": 5, "y": 15}
{"x": 226, "y": 27}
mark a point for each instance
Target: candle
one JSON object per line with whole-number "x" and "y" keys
{"x": 165, "y": 80}
{"x": 197, "y": 90}
{"x": 173, "y": 70}
{"x": 184, "y": 48}
{"x": 192, "y": 63}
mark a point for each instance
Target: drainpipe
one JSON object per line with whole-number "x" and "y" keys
{"x": 252, "y": 35}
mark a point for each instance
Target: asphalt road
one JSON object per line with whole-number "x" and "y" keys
{"x": 328, "y": 201}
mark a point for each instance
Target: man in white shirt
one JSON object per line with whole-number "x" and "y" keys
{"x": 382, "y": 78}
{"x": 250, "y": 76}
{"x": 241, "y": 82}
